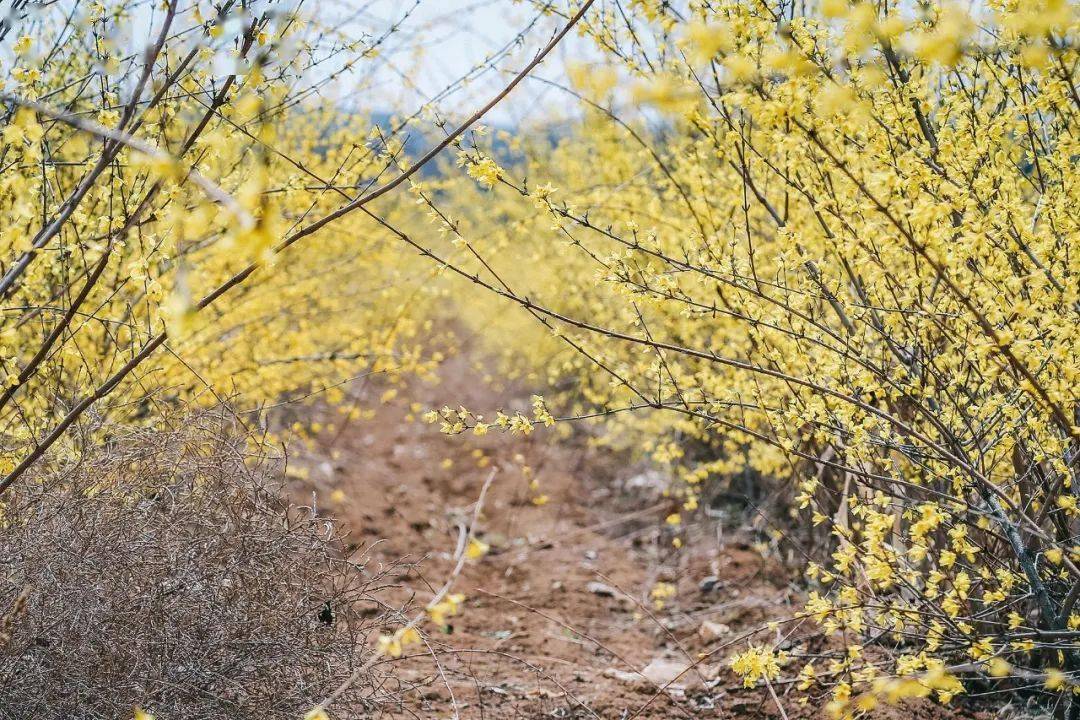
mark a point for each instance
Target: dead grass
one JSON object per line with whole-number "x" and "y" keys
{"x": 163, "y": 571}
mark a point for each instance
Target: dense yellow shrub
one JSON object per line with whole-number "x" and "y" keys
{"x": 837, "y": 247}
{"x": 136, "y": 185}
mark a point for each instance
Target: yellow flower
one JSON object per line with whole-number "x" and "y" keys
{"x": 476, "y": 549}
{"x": 758, "y": 662}
{"x": 836, "y": 99}
{"x": 394, "y": 645}
{"x": 807, "y": 676}
{"x": 483, "y": 169}
{"x": 834, "y": 8}
{"x": 707, "y": 40}
{"x": 984, "y": 648}
{"x": 447, "y": 607}
{"x": 389, "y": 646}
{"x": 740, "y": 68}
{"x": 661, "y": 593}
{"x": 944, "y": 44}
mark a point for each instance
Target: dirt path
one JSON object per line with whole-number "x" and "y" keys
{"x": 558, "y": 620}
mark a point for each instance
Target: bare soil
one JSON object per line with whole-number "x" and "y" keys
{"x": 558, "y": 621}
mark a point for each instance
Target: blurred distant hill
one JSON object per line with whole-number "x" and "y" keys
{"x": 418, "y": 139}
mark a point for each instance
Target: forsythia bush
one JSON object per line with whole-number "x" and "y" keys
{"x": 835, "y": 246}
{"x": 136, "y": 185}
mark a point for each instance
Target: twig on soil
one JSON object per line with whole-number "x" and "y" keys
{"x": 598, "y": 526}
{"x": 465, "y": 535}
{"x": 534, "y": 668}
{"x": 671, "y": 636}
{"x": 776, "y": 700}
{"x": 661, "y": 689}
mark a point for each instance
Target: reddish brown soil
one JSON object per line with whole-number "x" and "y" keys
{"x": 537, "y": 637}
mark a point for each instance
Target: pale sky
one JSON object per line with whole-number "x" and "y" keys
{"x": 438, "y": 42}
{"x": 442, "y": 40}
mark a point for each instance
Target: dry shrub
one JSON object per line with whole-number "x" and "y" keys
{"x": 163, "y": 571}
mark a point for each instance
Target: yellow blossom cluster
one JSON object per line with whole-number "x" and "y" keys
{"x": 825, "y": 256}
{"x": 757, "y": 663}
{"x": 149, "y": 202}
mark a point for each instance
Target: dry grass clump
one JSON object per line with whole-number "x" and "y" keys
{"x": 164, "y": 572}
